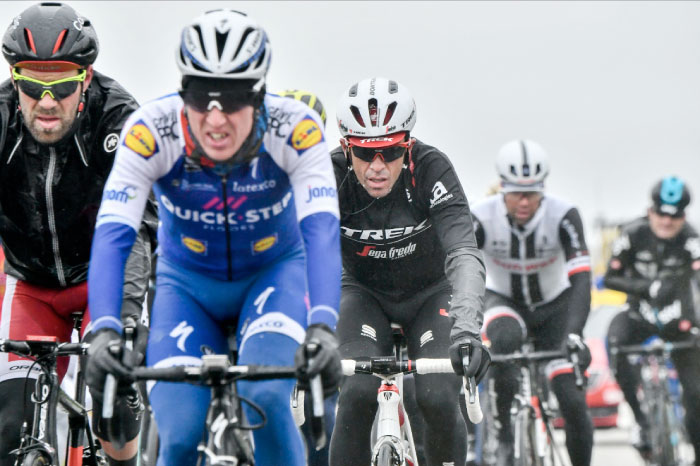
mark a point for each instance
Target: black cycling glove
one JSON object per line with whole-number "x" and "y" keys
{"x": 325, "y": 359}
{"x": 107, "y": 355}
{"x": 479, "y": 360}
{"x": 575, "y": 344}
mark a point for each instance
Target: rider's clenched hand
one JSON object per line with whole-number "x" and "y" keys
{"x": 319, "y": 355}
{"x": 479, "y": 359}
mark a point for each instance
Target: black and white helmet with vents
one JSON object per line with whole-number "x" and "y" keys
{"x": 225, "y": 44}
{"x": 376, "y": 107}
{"x": 522, "y": 165}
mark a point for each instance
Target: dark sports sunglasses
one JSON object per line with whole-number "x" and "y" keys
{"x": 227, "y": 102}
{"x": 388, "y": 154}
{"x": 58, "y": 90}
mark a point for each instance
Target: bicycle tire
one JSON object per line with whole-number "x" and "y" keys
{"x": 387, "y": 456}
{"x": 669, "y": 451}
{"x": 37, "y": 458}
{"x": 525, "y": 453}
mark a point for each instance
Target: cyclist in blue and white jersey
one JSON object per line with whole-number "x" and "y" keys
{"x": 249, "y": 236}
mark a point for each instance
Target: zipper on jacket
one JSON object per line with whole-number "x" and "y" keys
{"x": 228, "y": 231}
{"x": 52, "y": 217}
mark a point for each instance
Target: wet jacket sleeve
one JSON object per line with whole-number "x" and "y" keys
{"x": 619, "y": 275}
{"x": 464, "y": 265}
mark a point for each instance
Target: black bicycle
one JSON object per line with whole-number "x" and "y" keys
{"x": 227, "y": 439}
{"x": 39, "y": 446}
{"x": 530, "y": 412}
{"x": 661, "y": 400}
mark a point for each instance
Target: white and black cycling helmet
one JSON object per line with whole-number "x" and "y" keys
{"x": 522, "y": 165}
{"x": 376, "y": 107}
{"x": 225, "y": 44}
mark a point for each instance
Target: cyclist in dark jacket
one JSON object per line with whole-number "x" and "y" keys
{"x": 409, "y": 257}
{"x": 59, "y": 126}
{"x": 653, "y": 261}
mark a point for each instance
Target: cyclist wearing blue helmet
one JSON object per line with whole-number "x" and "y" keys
{"x": 653, "y": 261}
{"x": 249, "y": 236}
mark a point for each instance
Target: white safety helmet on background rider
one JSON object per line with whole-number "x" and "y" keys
{"x": 374, "y": 108}
{"x": 523, "y": 166}
{"x": 225, "y": 44}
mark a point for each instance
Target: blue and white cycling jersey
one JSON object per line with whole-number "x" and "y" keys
{"x": 223, "y": 227}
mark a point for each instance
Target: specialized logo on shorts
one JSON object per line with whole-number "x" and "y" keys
{"x": 306, "y": 134}
{"x": 181, "y": 332}
{"x": 141, "y": 140}
{"x": 194, "y": 245}
{"x": 264, "y": 244}
{"x": 111, "y": 142}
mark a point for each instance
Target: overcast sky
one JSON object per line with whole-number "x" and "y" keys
{"x": 610, "y": 89}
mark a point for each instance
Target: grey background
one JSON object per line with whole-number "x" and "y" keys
{"x": 610, "y": 89}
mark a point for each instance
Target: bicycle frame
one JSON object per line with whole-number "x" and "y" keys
{"x": 47, "y": 396}
{"x": 530, "y": 417}
{"x": 659, "y": 402}
{"x": 226, "y": 441}
{"x": 393, "y": 426}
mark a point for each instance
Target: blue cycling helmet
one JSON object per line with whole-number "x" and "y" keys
{"x": 670, "y": 196}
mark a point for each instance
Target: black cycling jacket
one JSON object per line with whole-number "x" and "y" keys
{"x": 639, "y": 258}
{"x": 417, "y": 235}
{"x": 50, "y": 194}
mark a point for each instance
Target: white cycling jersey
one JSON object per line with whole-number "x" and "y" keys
{"x": 530, "y": 264}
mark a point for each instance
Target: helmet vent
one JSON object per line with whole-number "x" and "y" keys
{"x": 353, "y": 91}
{"x": 538, "y": 169}
{"x": 198, "y": 30}
{"x": 244, "y": 37}
{"x": 60, "y": 40}
{"x": 512, "y": 170}
{"x": 220, "y": 43}
{"x": 393, "y": 88}
{"x": 356, "y": 113}
{"x": 373, "y": 111}
{"x": 29, "y": 39}
{"x": 390, "y": 109}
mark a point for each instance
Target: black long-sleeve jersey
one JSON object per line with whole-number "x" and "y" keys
{"x": 403, "y": 242}
{"x": 639, "y": 258}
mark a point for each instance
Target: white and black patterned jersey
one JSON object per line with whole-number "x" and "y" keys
{"x": 531, "y": 264}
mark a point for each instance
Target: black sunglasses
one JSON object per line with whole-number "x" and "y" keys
{"x": 388, "y": 154}
{"x": 227, "y": 102}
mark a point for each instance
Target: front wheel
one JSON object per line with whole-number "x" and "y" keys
{"x": 387, "y": 456}
{"x": 525, "y": 441}
{"x": 37, "y": 458}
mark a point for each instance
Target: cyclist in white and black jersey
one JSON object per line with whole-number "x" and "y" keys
{"x": 409, "y": 257}
{"x": 537, "y": 286}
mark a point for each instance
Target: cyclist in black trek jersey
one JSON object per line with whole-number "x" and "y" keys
{"x": 537, "y": 286}
{"x": 653, "y": 261}
{"x": 409, "y": 257}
